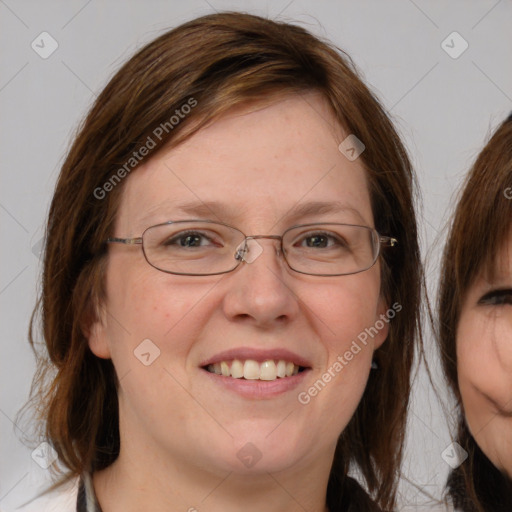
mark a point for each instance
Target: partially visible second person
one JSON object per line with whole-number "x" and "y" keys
{"x": 475, "y": 329}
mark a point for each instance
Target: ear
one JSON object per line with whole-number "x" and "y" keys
{"x": 382, "y": 319}
{"x": 94, "y": 328}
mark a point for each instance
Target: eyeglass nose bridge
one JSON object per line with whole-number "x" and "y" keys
{"x": 248, "y": 252}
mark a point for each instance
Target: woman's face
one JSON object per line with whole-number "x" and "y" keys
{"x": 484, "y": 361}
{"x": 252, "y": 169}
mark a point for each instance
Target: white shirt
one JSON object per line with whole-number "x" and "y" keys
{"x": 62, "y": 499}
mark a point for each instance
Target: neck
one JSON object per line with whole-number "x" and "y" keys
{"x": 143, "y": 483}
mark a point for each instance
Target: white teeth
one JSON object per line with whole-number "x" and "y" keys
{"x": 252, "y": 370}
{"x": 224, "y": 368}
{"x": 281, "y": 369}
{"x": 268, "y": 371}
{"x": 237, "y": 369}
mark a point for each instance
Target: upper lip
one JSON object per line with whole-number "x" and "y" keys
{"x": 259, "y": 355}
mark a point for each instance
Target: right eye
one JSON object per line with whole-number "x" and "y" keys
{"x": 191, "y": 239}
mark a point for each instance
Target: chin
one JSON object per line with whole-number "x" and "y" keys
{"x": 255, "y": 454}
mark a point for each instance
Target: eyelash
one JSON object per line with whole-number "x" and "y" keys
{"x": 497, "y": 297}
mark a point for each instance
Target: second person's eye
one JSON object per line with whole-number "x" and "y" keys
{"x": 497, "y": 297}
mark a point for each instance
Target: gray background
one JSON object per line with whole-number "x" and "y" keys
{"x": 444, "y": 107}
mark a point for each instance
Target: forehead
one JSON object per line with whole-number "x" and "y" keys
{"x": 259, "y": 165}
{"x": 496, "y": 272}
{"x": 501, "y": 268}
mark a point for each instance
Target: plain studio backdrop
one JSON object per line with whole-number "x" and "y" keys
{"x": 442, "y": 70}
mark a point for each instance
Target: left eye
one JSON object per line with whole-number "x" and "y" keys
{"x": 321, "y": 240}
{"x": 497, "y": 297}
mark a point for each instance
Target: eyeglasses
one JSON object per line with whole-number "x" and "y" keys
{"x": 204, "y": 247}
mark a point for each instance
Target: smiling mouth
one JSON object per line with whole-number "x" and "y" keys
{"x": 249, "y": 369}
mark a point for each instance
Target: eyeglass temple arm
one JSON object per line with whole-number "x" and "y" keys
{"x": 128, "y": 241}
{"x": 388, "y": 240}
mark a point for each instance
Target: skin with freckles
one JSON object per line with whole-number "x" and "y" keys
{"x": 180, "y": 433}
{"x": 484, "y": 361}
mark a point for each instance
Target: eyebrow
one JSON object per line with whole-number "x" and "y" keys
{"x": 214, "y": 210}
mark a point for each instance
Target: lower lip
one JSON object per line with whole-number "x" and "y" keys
{"x": 258, "y": 389}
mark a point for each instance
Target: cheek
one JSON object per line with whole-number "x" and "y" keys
{"x": 350, "y": 312}
{"x": 153, "y": 323}
{"x": 484, "y": 362}
{"x": 144, "y": 305}
{"x": 503, "y": 339}
{"x": 349, "y": 329}
{"x": 472, "y": 361}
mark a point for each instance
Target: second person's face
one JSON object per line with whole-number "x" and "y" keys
{"x": 484, "y": 361}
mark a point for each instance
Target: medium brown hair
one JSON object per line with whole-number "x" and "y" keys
{"x": 480, "y": 227}
{"x": 221, "y": 61}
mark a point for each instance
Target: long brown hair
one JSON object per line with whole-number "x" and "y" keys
{"x": 480, "y": 226}
{"x": 217, "y": 62}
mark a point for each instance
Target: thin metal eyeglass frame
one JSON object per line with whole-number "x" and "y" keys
{"x": 382, "y": 240}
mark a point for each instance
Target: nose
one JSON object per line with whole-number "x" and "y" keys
{"x": 260, "y": 291}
